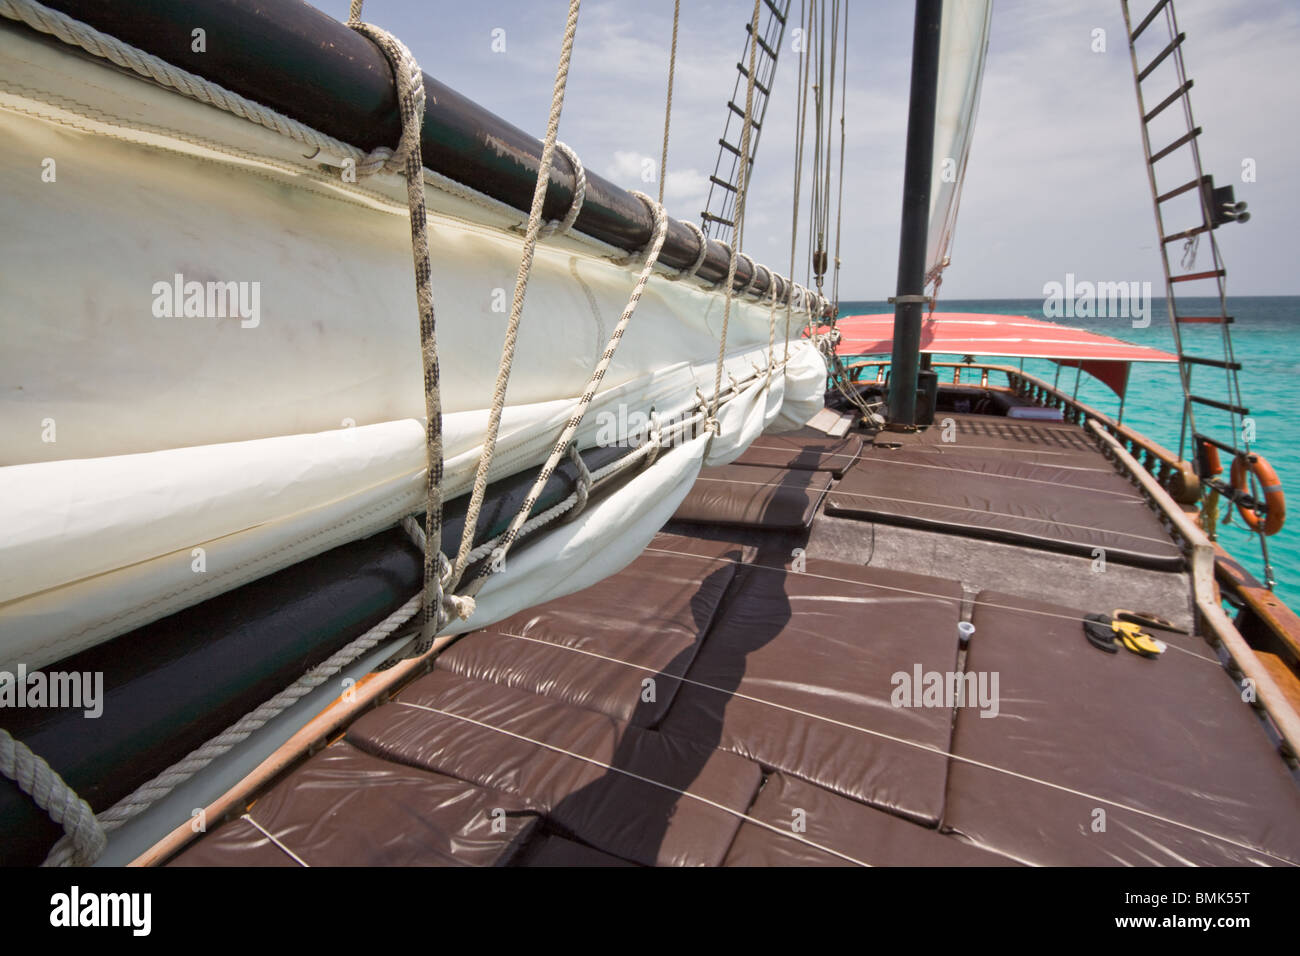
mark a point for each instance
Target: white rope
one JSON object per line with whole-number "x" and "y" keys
{"x": 700, "y": 256}
{"x": 753, "y": 274}
{"x": 771, "y": 329}
{"x": 84, "y": 836}
{"x": 648, "y": 450}
{"x": 546, "y": 517}
{"x": 656, "y": 436}
{"x": 144, "y": 796}
{"x": 274, "y": 839}
{"x": 730, "y": 254}
{"x": 839, "y": 205}
{"x": 668, "y": 106}
{"x": 561, "y": 227}
{"x": 517, "y": 304}
{"x": 408, "y": 79}
{"x": 801, "y": 118}
{"x": 584, "y": 481}
{"x": 593, "y": 384}
{"x": 76, "y": 33}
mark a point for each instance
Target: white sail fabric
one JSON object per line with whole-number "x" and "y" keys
{"x": 130, "y": 438}
{"x": 963, "y": 44}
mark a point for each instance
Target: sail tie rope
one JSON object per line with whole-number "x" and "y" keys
{"x": 562, "y": 443}
{"x": 584, "y": 482}
{"x": 730, "y": 255}
{"x": 408, "y": 80}
{"x": 517, "y": 303}
{"x": 771, "y": 331}
{"x": 562, "y": 226}
{"x": 700, "y": 256}
{"x": 753, "y": 274}
{"x": 656, "y": 437}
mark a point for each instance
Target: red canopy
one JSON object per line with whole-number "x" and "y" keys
{"x": 1015, "y": 336}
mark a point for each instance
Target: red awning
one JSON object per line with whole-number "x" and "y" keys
{"x": 1013, "y": 336}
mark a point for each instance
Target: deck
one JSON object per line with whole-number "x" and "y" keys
{"x": 742, "y": 693}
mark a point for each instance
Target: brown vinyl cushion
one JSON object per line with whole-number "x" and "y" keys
{"x": 748, "y": 496}
{"x": 599, "y": 647}
{"x": 347, "y": 808}
{"x": 552, "y": 850}
{"x": 1000, "y": 498}
{"x": 954, "y": 466}
{"x": 803, "y": 452}
{"x": 237, "y": 843}
{"x": 833, "y": 823}
{"x": 995, "y": 435}
{"x": 1169, "y": 737}
{"x": 828, "y": 642}
{"x": 490, "y": 741}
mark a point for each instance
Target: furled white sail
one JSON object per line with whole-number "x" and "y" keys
{"x": 963, "y": 44}
{"x": 133, "y": 434}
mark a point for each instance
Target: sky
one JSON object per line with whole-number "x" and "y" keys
{"x": 1056, "y": 182}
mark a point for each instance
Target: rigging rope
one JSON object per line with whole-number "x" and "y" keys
{"x": 801, "y": 117}
{"x": 839, "y": 204}
{"x": 563, "y": 443}
{"x": 817, "y": 26}
{"x": 668, "y": 106}
{"x": 517, "y": 304}
{"x": 409, "y": 81}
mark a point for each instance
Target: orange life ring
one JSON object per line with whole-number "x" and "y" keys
{"x": 1273, "y": 497}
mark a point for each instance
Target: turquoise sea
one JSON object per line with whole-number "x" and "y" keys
{"x": 1266, "y": 341}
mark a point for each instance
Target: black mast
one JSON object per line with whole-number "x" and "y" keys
{"x": 909, "y": 301}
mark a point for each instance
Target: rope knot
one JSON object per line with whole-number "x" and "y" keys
{"x": 649, "y": 252}
{"x": 454, "y": 605}
{"x": 700, "y": 256}
{"x": 656, "y": 437}
{"x": 409, "y": 80}
{"x": 559, "y": 227}
{"x": 584, "y": 482}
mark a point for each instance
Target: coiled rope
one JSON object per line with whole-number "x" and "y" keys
{"x": 84, "y": 838}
